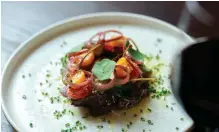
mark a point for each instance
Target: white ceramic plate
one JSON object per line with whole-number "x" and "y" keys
{"x": 35, "y": 55}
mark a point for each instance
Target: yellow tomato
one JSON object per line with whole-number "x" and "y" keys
{"x": 79, "y": 77}
{"x": 121, "y": 72}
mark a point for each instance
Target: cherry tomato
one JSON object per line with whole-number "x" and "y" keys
{"x": 121, "y": 72}
{"x": 109, "y": 46}
{"x": 79, "y": 77}
{"x": 89, "y": 59}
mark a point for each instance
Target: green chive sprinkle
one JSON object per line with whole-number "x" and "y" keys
{"x": 177, "y": 128}
{"x": 150, "y": 123}
{"x": 31, "y": 125}
{"x": 149, "y": 110}
{"x": 142, "y": 119}
{"x": 24, "y": 97}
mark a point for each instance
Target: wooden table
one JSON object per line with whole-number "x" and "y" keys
{"x": 20, "y": 20}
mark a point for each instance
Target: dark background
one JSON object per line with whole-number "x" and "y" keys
{"x": 20, "y": 20}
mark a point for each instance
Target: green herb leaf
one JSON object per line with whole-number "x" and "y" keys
{"x": 135, "y": 54}
{"x": 103, "y": 69}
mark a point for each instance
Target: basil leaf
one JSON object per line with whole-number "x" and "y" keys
{"x": 135, "y": 54}
{"x": 103, "y": 69}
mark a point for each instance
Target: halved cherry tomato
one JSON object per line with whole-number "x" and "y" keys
{"x": 78, "y": 77}
{"x": 109, "y": 46}
{"x": 89, "y": 59}
{"x": 119, "y": 71}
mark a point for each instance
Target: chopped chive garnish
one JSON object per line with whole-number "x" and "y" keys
{"x": 45, "y": 94}
{"x": 130, "y": 123}
{"x": 64, "y": 111}
{"x": 51, "y": 100}
{"x": 157, "y": 57}
{"x": 172, "y": 108}
{"x": 24, "y": 97}
{"x": 160, "y": 51}
{"x": 67, "y": 125}
{"x": 149, "y": 110}
{"x": 99, "y": 126}
{"x": 150, "y": 123}
{"x": 47, "y": 75}
{"x": 142, "y": 119}
{"x": 71, "y": 112}
{"x": 159, "y": 39}
{"x": 31, "y": 125}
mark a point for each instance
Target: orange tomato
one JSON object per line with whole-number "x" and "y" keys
{"x": 116, "y": 43}
{"x": 121, "y": 72}
{"x": 79, "y": 77}
{"x": 89, "y": 59}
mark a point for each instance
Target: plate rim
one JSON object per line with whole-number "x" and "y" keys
{"x": 70, "y": 19}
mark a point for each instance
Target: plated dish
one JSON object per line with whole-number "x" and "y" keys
{"x": 114, "y": 81}
{"x": 108, "y": 73}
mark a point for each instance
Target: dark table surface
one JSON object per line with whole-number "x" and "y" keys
{"x": 20, "y": 20}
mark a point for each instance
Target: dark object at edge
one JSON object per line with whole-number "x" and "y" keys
{"x": 196, "y": 83}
